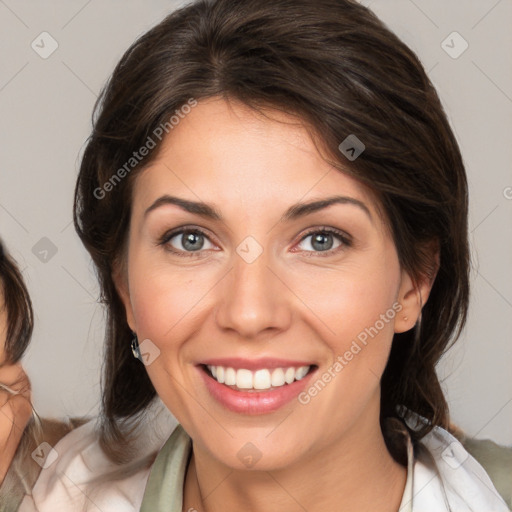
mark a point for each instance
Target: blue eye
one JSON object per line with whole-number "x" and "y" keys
{"x": 322, "y": 241}
{"x": 191, "y": 242}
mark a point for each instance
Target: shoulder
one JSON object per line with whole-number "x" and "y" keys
{"x": 497, "y": 462}
{"x": 447, "y": 475}
{"x": 76, "y": 475}
{"x": 24, "y": 470}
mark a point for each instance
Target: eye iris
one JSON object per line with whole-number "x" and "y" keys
{"x": 323, "y": 240}
{"x": 189, "y": 239}
{"x": 192, "y": 241}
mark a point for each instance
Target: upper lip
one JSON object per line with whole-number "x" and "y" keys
{"x": 254, "y": 364}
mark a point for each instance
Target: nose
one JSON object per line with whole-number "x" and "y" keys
{"x": 253, "y": 299}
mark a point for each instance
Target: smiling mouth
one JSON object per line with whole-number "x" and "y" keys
{"x": 265, "y": 379}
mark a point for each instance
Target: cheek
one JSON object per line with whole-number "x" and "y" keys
{"x": 341, "y": 303}
{"x": 163, "y": 300}
{"x": 354, "y": 307}
{"x": 350, "y": 300}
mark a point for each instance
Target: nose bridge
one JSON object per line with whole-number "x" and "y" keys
{"x": 253, "y": 298}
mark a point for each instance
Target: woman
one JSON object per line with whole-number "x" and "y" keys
{"x": 16, "y": 324}
{"x": 277, "y": 210}
{"x": 22, "y": 432}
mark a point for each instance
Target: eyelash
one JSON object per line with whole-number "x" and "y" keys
{"x": 343, "y": 237}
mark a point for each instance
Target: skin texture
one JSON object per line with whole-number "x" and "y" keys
{"x": 292, "y": 302}
{"x": 15, "y": 410}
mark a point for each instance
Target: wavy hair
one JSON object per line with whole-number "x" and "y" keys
{"x": 17, "y": 303}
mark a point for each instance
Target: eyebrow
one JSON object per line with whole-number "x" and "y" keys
{"x": 294, "y": 212}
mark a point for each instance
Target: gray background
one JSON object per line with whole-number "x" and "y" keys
{"x": 46, "y": 106}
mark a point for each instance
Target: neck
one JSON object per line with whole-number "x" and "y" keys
{"x": 355, "y": 473}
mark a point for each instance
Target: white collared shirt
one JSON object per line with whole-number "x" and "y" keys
{"x": 441, "y": 477}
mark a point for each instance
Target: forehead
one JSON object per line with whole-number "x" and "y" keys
{"x": 229, "y": 154}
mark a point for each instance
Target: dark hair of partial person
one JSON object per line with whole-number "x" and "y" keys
{"x": 17, "y": 303}
{"x": 23, "y": 470}
{"x": 336, "y": 67}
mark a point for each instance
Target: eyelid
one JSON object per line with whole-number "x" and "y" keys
{"x": 328, "y": 229}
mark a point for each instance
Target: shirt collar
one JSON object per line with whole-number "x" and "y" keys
{"x": 164, "y": 489}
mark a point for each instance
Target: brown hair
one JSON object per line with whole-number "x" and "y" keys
{"x": 341, "y": 71}
{"x": 17, "y": 303}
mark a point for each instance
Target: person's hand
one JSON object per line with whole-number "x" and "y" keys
{"x": 15, "y": 412}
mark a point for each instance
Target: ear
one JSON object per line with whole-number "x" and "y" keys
{"x": 120, "y": 278}
{"x": 413, "y": 295}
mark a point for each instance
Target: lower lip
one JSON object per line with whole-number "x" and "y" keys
{"x": 254, "y": 402}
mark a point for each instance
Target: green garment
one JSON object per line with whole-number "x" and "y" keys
{"x": 164, "y": 489}
{"x": 497, "y": 461}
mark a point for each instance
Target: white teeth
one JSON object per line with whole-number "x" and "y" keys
{"x": 259, "y": 379}
{"x": 244, "y": 379}
{"x": 278, "y": 377}
{"x": 230, "y": 377}
{"x": 289, "y": 375}
{"x": 301, "y": 372}
{"x": 220, "y": 374}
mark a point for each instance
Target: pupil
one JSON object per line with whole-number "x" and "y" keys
{"x": 321, "y": 240}
{"x": 191, "y": 242}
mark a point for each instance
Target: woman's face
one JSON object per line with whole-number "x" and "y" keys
{"x": 258, "y": 283}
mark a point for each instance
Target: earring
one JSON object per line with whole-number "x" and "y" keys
{"x": 135, "y": 348}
